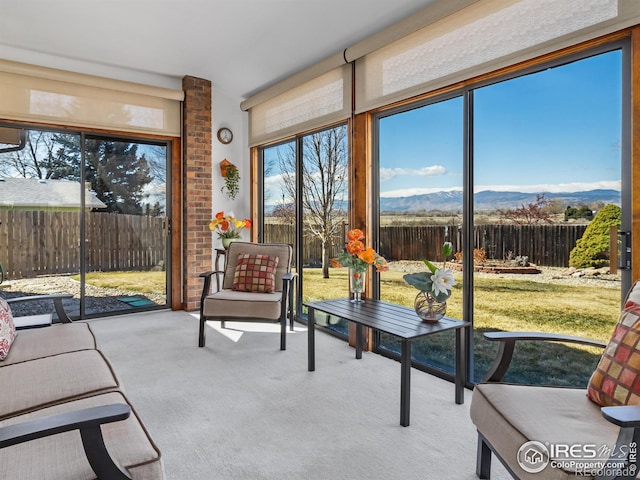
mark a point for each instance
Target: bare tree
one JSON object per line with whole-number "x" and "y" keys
{"x": 44, "y": 156}
{"x": 529, "y": 214}
{"x": 324, "y": 185}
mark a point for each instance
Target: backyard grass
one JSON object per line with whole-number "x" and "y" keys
{"x": 142, "y": 282}
{"x": 507, "y": 305}
{"x": 500, "y": 304}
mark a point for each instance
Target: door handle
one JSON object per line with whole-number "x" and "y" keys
{"x": 624, "y": 250}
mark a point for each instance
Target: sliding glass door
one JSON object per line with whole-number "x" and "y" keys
{"x": 421, "y": 186}
{"x": 524, "y": 175}
{"x": 85, "y": 215}
{"x": 547, "y": 190}
{"x": 304, "y": 202}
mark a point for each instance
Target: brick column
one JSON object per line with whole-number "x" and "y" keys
{"x": 197, "y": 181}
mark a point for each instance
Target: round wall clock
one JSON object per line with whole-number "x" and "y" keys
{"x": 225, "y": 135}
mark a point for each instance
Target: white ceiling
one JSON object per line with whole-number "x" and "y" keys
{"x": 242, "y": 46}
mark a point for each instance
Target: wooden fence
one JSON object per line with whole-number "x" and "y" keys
{"x": 545, "y": 245}
{"x": 36, "y": 243}
{"x": 41, "y": 242}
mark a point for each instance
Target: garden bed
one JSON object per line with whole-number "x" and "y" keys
{"x": 498, "y": 268}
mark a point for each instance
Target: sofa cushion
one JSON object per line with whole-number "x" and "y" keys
{"x": 616, "y": 380}
{"x": 245, "y": 305}
{"x": 7, "y": 329}
{"x": 44, "y": 342}
{"x": 62, "y": 455}
{"x": 510, "y": 415}
{"x": 255, "y": 273}
{"x": 28, "y": 386}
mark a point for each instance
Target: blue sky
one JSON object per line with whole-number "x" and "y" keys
{"x": 556, "y": 130}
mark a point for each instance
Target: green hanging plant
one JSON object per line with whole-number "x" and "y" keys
{"x": 231, "y": 181}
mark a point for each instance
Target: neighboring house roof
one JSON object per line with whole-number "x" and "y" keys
{"x": 33, "y": 192}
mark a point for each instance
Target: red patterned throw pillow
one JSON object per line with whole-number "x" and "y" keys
{"x": 255, "y": 273}
{"x": 616, "y": 380}
{"x": 7, "y": 329}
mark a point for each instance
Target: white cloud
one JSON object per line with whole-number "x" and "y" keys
{"x": 431, "y": 171}
{"x": 550, "y": 188}
{"x": 553, "y": 188}
{"x": 408, "y": 192}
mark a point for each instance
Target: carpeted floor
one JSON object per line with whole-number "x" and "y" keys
{"x": 242, "y": 409}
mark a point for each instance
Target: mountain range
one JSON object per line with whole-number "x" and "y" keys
{"x": 492, "y": 200}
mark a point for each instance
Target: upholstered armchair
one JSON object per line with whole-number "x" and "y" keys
{"x": 542, "y": 432}
{"x": 257, "y": 285}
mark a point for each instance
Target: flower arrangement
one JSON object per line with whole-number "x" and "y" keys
{"x": 436, "y": 281}
{"x": 227, "y": 226}
{"x": 357, "y": 256}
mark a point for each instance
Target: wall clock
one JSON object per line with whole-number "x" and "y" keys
{"x": 225, "y": 135}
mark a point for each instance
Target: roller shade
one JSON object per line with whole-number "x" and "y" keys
{"x": 480, "y": 38}
{"x": 323, "y": 100}
{"x": 38, "y": 94}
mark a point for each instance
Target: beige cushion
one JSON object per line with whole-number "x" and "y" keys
{"x": 246, "y": 305}
{"x": 43, "y": 342}
{"x": 281, "y": 250}
{"x": 510, "y": 415}
{"x": 62, "y": 456}
{"x": 27, "y": 386}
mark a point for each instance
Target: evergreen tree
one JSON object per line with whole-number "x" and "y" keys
{"x": 117, "y": 174}
{"x": 592, "y": 250}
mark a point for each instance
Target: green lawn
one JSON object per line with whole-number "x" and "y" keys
{"x": 508, "y": 305}
{"x": 142, "y": 282}
{"x": 500, "y": 304}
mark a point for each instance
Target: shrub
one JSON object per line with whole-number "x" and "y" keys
{"x": 592, "y": 250}
{"x": 583, "y": 211}
{"x": 479, "y": 256}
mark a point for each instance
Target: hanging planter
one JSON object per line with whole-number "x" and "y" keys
{"x": 231, "y": 177}
{"x": 225, "y": 165}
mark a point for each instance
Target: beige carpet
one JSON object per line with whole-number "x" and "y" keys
{"x": 242, "y": 409}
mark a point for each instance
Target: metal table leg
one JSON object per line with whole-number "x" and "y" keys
{"x": 461, "y": 365}
{"x": 311, "y": 349}
{"x": 405, "y": 382}
{"x": 359, "y": 336}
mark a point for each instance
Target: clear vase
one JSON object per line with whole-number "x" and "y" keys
{"x": 428, "y": 308}
{"x": 357, "y": 279}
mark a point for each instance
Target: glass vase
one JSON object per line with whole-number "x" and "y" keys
{"x": 357, "y": 279}
{"x": 428, "y": 308}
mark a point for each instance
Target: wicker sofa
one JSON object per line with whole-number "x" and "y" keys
{"x": 63, "y": 412}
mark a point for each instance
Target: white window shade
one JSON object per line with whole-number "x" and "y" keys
{"x": 481, "y": 38}
{"x": 323, "y": 100}
{"x": 38, "y": 94}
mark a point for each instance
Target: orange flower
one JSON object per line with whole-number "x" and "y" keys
{"x": 227, "y": 226}
{"x": 368, "y": 255}
{"x": 358, "y": 257}
{"x": 381, "y": 264}
{"x": 355, "y": 246}
{"x": 355, "y": 234}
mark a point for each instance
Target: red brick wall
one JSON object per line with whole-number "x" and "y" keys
{"x": 196, "y": 201}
